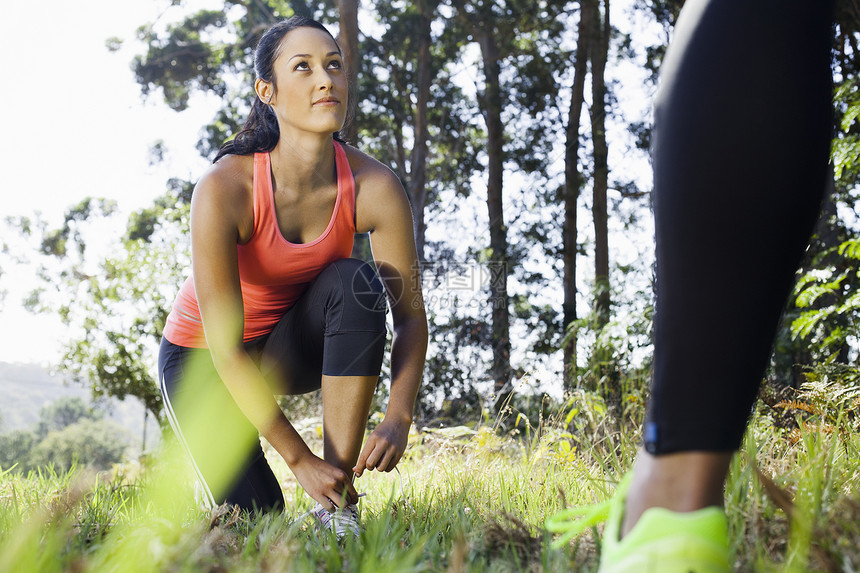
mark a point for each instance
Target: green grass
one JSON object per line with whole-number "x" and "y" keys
{"x": 469, "y": 501}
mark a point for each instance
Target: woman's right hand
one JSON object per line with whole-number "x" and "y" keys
{"x": 330, "y": 486}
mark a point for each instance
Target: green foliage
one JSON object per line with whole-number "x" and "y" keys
{"x": 830, "y": 399}
{"x": 181, "y": 60}
{"x": 829, "y": 300}
{"x": 15, "y": 448}
{"x": 94, "y": 443}
{"x": 64, "y": 412}
{"x": 845, "y": 151}
{"x": 821, "y": 318}
{"x": 114, "y": 295}
{"x": 618, "y": 367}
{"x": 68, "y": 433}
{"x": 448, "y": 390}
{"x": 55, "y": 242}
{"x": 665, "y": 13}
{"x": 388, "y": 91}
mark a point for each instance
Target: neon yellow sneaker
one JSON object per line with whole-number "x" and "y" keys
{"x": 661, "y": 541}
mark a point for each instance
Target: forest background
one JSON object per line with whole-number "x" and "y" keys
{"x": 520, "y": 131}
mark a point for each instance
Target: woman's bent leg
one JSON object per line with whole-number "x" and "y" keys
{"x": 334, "y": 338}
{"x": 223, "y": 446}
{"x": 346, "y": 405}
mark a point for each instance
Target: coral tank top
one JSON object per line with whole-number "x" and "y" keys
{"x": 273, "y": 272}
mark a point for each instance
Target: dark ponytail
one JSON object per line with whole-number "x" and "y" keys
{"x": 260, "y": 133}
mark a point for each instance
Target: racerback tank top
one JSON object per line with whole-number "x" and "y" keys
{"x": 273, "y": 272}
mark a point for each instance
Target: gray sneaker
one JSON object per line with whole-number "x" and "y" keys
{"x": 341, "y": 520}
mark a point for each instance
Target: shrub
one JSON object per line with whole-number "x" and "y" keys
{"x": 95, "y": 443}
{"x": 15, "y": 448}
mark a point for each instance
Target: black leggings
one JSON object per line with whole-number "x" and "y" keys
{"x": 336, "y": 328}
{"x": 742, "y": 130}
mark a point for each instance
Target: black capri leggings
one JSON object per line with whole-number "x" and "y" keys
{"x": 742, "y": 130}
{"x": 336, "y": 328}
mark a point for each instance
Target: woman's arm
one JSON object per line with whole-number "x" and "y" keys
{"x": 383, "y": 209}
{"x": 216, "y": 209}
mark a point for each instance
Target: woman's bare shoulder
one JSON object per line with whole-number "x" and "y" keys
{"x": 232, "y": 177}
{"x": 371, "y": 174}
{"x": 224, "y": 196}
{"x": 379, "y": 194}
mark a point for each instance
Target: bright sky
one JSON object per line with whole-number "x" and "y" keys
{"x": 75, "y": 126}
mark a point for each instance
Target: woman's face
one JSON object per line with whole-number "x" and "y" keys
{"x": 311, "y": 83}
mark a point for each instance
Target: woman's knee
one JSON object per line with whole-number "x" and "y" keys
{"x": 362, "y": 295}
{"x": 357, "y": 275}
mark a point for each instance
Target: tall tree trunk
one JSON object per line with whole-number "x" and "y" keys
{"x": 604, "y": 373}
{"x": 482, "y": 25}
{"x": 418, "y": 168}
{"x": 347, "y": 38}
{"x": 599, "y": 53}
{"x": 492, "y": 104}
{"x": 570, "y": 193}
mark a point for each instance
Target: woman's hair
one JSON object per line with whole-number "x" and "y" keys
{"x": 260, "y": 132}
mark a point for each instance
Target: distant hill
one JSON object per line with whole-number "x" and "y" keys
{"x": 26, "y": 388}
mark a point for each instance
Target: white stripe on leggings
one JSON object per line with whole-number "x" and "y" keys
{"x": 174, "y": 423}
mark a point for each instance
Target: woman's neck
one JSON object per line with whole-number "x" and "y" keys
{"x": 303, "y": 163}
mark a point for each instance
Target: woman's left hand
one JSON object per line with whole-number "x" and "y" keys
{"x": 384, "y": 446}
